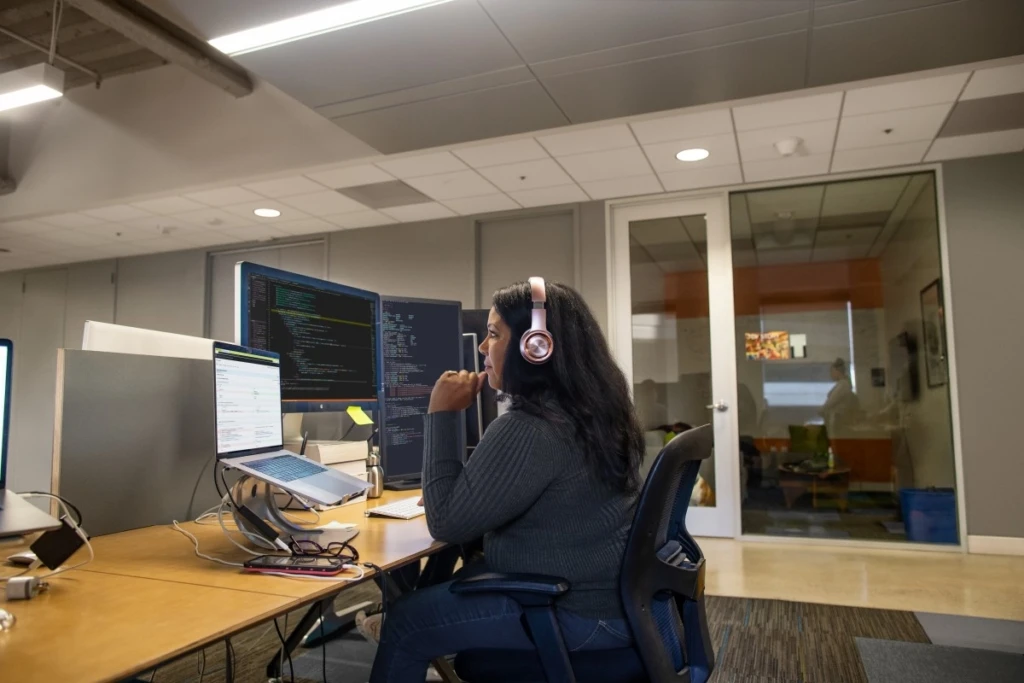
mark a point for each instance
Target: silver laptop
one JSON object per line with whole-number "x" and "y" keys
{"x": 17, "y": 516}
{"x": 249, "y": 433}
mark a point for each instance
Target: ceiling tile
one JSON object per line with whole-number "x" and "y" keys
{"x": 917, "y": 93}
{"x": 477, "y": 205}
{"x": 978, "y": 145}
{"x": 801, "y": 203}
{"x": 879, "y": 157}
{"x": 306, "y": 226}
{"x": 684, "y": 126}
{"x": 713, "y": 176}
{"x": 1000, "y": 80}
{"x": 454, "y": 185}
{"x": 904, "y": 125}
{"x": 849, "y": 237}
{"x": 255, "y": 233}
{"x": 780, "y": 257}
{"x": 224, "y": 196}
{"x": 284, "y": 187}
{"x": 26, "y": 244}
{"x": 72, "y": 238}
{"x": 141, "y": 228}
{"x": 721, "y": 148}
{"x": 351, "y": 176}
{"x": 588, "y": 140}
{"x": 829, "y": 254}
{"x": 509, "y": 152}
{"x": 323, "y": 203}
{"x": 425, "y": 164}
{"x": 986, "y": 115}
{"x": 218, "y": 219}
{"x": 166, "y": 206}
{"x": 868, "y": 196}
{"x": 70, "y": 220}
{"x": 791, "y": 167}
{"x": 288, "y": 212}
{"x": 418, "y": 212}
{"x": 615, "y": 163}
{"x": 527, "y": 175}
{"x": 623, "y": 187}
{"x": 549, "y": 196}
{"x": 117, "y": 214}
{"x": 785, "y": 112}
{"x": 25, "y": 227}
{"x": 200, "y": 238}
{"x": 360, "y": 219}
{"x": 816, "y": 138}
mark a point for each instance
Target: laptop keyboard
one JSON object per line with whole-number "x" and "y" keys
{"x": 286, "y": 467}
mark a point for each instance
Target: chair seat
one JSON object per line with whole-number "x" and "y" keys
{"x": 621, "y": 665}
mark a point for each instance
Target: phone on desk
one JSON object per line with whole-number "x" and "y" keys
{"x": 296, "y": 564}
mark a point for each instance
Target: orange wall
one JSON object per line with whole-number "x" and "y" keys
{"x": 799, "y": 287}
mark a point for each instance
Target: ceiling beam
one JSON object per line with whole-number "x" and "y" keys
{"x": 169, "y": 44}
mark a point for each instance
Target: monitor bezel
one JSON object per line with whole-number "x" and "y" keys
{"x": 382, "y": 414}
{"x": 6, "y": 417}
{"x": 245, "y": 269}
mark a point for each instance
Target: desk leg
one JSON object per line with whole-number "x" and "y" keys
{"x": 293, "y": 639}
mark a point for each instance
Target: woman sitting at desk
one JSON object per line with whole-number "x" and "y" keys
{"x": 552, "y": 487}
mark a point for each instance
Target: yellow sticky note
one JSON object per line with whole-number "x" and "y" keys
{"x": 359, "y": 415}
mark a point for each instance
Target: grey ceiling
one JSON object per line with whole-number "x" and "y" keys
{"x": 474, "y": 69}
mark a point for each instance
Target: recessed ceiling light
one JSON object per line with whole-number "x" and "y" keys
{"x": 322, "y": 21}
{"x": 267, "y": 213}
{"x": 695, "y": 154}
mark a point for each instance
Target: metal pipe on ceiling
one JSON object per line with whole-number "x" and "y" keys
{"x": 167, "y": 45}
{"x": 46, "y": 50}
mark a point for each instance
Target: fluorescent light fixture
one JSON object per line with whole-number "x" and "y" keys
{"x": 267, "y": 213}
{"x": 695, "y": 154}
{"x": 316, "y": 23}
{"x": 32, "y": 84}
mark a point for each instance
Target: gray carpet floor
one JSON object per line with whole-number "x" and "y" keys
{"x": 887, "y": 661}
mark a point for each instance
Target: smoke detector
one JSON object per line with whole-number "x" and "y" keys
{"x": 787, "y": 147}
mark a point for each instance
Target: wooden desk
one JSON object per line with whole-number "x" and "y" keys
{"x": 97, "y": 627}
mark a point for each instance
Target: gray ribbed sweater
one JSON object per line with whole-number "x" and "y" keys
{"x": 529, "y": 492}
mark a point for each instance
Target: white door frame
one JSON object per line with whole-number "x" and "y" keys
{"x": 723, "y": 518}
{"x": 620, "y": 335}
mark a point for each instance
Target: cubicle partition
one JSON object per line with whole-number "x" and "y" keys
{"x": 133, "y": 438}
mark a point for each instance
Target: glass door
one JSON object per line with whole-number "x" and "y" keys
{"x": 673, "y": 332}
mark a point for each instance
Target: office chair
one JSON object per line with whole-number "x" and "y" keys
{"x": 662, "y": 588}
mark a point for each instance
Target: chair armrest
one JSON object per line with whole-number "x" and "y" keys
{"x": 529, "y": 590}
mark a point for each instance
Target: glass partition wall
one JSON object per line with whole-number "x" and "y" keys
{"x": 843, "y": 404}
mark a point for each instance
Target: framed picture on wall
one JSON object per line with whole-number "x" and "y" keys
{"x": 933, "y": 319}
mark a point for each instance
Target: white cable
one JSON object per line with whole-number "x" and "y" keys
{"x": 71, "y": 523}
{"x": 195, "y": 542}
{"x": 362, "y": 573}
{"x": 253, "y": 538}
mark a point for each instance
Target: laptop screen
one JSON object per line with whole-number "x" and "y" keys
{"x": 248, "y": 400}
{"x": 5, "y": 404}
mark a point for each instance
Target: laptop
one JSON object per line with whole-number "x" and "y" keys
{"x": 17, "y": 516}
{"x": 247, "y": 398}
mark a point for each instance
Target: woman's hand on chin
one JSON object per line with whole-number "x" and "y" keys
{"x": 455, "y": 391}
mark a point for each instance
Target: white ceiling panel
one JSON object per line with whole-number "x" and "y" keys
{"x": 765, "y": 206}
{"x": 284, "y": 187}
{"x": 471, "y": 206}
{"x": 24, "y": 227}
{"x": 255, "y": 233}
{"x": 1000, "y": 80}
{"x": 351, "y": 176}
{"x": 615, "y": 163}
{"x": 213, "y": 19}
{"x": 454, "y": 185}
{"x": 323, "y": 203}
{"x": 711, "y": 176}
{"x": 117, "y": 213}
{"x": 288, "y": 213}
{"x": 721, "y": 148}
{"x": 224, "y": 196}
{"x": 791, "y": 167}
{"x": 981, "y": 144}
{"x": 684, "y": 127}
{"x": 549, "y": 196}
{"x": 496, "y": 154}
{"x": 879, "y": 157}
{"x": 623, "y": 187}
{"x": 72, "y": 238}
{"x": 904, "y": 95}
{"x": 70, "y": 221}
{"x": 588, "y": 140}
{"x": 816, "y": 138}
{"x": 789, "y": 111}
{"x": 419, "y": 212}
{"x": 527, "y": 175}
{"x": 218, "y": 219}
{"x": 142, "y": 228}
{"x": 31, "y": 244}
{"x": 200, "y": 238}
{"x": 360, "y": 219}
{"x": 306, "y": 226}
{"x": 166, "y": 206}
{"x": 424, "y": 164}
{"x": 891, "y": 127}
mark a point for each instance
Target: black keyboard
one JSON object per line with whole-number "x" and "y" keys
{"x": 286, "y": 467}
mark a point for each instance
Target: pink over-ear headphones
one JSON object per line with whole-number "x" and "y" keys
{"x": 537, "y": 345}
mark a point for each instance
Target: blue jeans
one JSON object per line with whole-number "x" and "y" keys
{"x": 432, "y": 622}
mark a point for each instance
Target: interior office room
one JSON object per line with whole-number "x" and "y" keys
{"x": 796, "y": 223}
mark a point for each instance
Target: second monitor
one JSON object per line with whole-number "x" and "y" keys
{"x": 421, "y": 339}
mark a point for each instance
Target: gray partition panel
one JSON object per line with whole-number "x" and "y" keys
{"x": 135, "y": 439}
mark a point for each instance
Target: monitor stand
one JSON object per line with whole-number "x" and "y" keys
{"x": 404, "y": 485}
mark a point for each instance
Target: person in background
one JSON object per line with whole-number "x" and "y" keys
{"x": 568, "y": 448}
{"x": 842, "y": 407}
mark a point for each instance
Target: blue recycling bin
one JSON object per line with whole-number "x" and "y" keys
{"x": 929, "y": 515}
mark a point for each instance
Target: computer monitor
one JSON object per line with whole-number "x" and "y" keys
{"x": 326, "y": 334}
{"x": 111, "y": 338}
{"x": 421, "y": 339}
{"x": 6, "y": 362}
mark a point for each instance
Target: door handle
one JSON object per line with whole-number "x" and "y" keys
{"x": 720, "y": 406}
